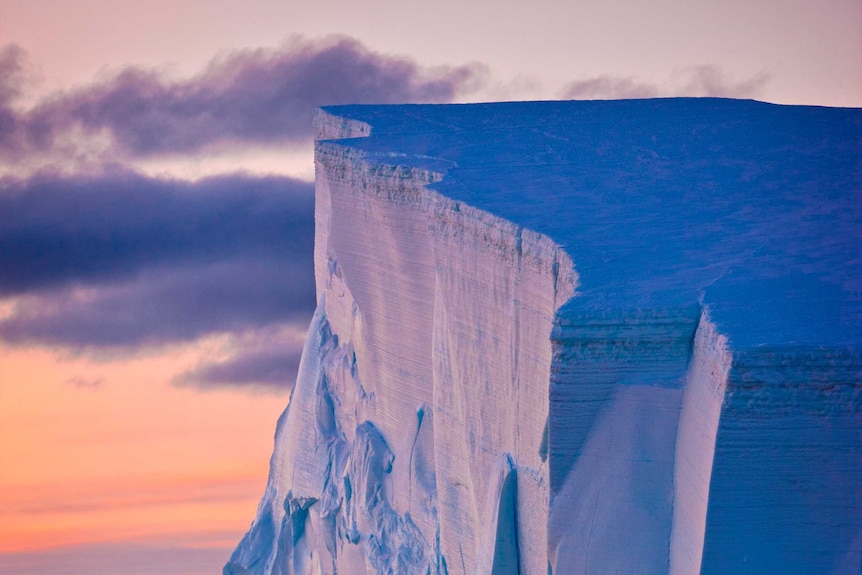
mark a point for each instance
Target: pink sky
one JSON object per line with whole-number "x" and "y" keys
{"x": 131, "y": 459}
{"x": 108, "y": 460}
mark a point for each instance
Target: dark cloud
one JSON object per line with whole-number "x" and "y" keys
{"x": 59, "y": 230}
{"x": 271, "y": 364}
{"x": 168, "y": 305}
{"x": 119, "y": 261}
{"x": 698, "y": 81}
{"x": 255, "y": 96}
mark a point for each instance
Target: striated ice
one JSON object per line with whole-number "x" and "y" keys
{"x": 577, "y": 338}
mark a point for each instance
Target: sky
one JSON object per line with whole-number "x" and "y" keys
{"x": 156, "y": 219}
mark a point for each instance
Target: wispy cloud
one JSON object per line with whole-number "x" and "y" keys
{"x": 85, "y": 383}
{"x": 600, "y": 87}
{"x": 704, "y": 80}
{"x": 11, "y": 87}
{"x": 269, "y": 360}
{"x": 252, "y": 96}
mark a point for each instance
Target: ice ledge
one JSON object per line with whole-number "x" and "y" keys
{"x": 328, "y": 126}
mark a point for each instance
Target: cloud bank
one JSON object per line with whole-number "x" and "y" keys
{"x": 56, "y": 230}
{"x": 121, "y": 261}
{"x": 103, "y": 259}
{"x": 253, "y": 96}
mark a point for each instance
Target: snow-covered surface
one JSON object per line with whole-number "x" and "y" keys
{"x": 577, "y": 337}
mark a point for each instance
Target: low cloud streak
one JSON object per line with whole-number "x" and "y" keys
{"x": 698, "y": 81}
{"x": 168, "y": 305}
{"x": 269, "y": 363}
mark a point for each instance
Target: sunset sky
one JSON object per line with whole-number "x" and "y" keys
{"x": 156, "y": 221}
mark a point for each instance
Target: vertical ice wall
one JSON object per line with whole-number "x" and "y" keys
{"x": 786, "y": 489}
{"x": 414, "y": 438}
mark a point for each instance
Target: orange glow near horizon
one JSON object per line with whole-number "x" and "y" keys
{"x": 124, "y": 455}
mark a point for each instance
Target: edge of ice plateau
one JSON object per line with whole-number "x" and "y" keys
{"x": 576, "y": 338}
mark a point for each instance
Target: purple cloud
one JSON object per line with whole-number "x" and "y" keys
{"x": 120, "y": 260}
{"x": 609, "y": 87}
{"x": 168, "y": 305}
{"x": 11, "y": 86}
{"x": 252, "y": 96}
{"x": 55, "y": 230}
{"x": 271, "y": 363}
{"x": 698, "y": 81}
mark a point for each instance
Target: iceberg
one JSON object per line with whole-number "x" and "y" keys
{"x": 587, "y": 337}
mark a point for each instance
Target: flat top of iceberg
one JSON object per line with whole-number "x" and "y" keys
{"x": 754, "y": 209}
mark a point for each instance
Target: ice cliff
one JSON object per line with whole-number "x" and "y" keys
{"x": 577, "y": 338}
